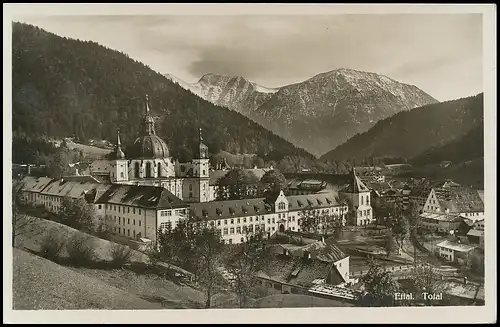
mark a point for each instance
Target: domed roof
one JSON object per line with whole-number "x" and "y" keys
{"x": 148, "y": 147}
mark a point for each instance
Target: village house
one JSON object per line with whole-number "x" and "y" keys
{"x": 455, "y": 252}
{"x": 439, "y": 222}
{"x": 311, "y": 269}
{"x": 463, "y": 201}
{"x": 476, "y": 233}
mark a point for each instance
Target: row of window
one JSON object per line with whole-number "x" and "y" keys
{"x": 126, "y": 232}
{"x": 471, "y": 214}
{"x": 121, "y": 220}
{"x": 365, "y": 213}
{"x": 121, "y": 209}
{"x": 168, "y": 213}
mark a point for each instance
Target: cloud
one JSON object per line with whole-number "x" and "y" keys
{"x": 279, "y": 50}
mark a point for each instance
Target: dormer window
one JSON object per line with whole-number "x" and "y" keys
{"x": 309, "y": 202}
{"x": 281, "y": 206}
{"x": 204, "y": 212}
{"x": 218, "y": 211}
{"x": 319, "y": 201}
{"x": 231, "y": 211}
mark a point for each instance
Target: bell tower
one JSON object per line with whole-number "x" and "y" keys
{"x": 119, "y": 172}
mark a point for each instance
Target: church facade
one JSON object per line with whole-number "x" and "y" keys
{"x": 148, "y": 163}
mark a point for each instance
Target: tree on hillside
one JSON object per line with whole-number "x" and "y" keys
{"x": 244, "y": 261}
{"x": 237, "y": 184}
{"x": 58, "y": 164}
{"x": 77, "y": 213}
{"x": 208, "y": 251}
{"x": 272, "y": 183}
{"x": 196, "y": 246}
{"x": 111, "y": 92}
{"x": 379, "y": 286}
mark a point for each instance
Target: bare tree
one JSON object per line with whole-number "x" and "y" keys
{"x": 426, "y": 279}
{"x": 243, "y": 262}
{"x": 209, "y": 248}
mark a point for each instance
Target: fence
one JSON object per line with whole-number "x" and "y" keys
{"x": 391, "y": 269}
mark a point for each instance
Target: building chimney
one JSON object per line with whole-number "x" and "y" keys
{"x": 322, "y": 239}
{"x": 465, "y": 280}
{"x": 29, "y": 169}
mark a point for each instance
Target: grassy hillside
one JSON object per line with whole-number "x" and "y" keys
{"x": 65, "y": 87}
{"x": 411, "y": 133}
{"x": 41, "y": 284}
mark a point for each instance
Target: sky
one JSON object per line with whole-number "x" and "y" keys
{"x": 439, "y": 53}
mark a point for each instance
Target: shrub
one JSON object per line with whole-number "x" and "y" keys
{"x": 154, "y": 255}
{"x": 52, "y": 245}
{"x": 120, "y": 254}
{"x": 81, "y": 250}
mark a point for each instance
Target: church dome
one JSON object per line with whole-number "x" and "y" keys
{"x": 148, "y": 147}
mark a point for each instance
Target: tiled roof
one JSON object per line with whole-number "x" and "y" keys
{"x": 258, "y": 206}
{"x": 152, "y": 197}
{"x": 312, "y": 201}
{"x": 441, "y": 216}
{"x": 308, "y": 184}
{"x": 355, "y": 184}
{"x": 327, "y": 251}
{"x": 456, "y": 246}
{"x": 296, "y": 271}
{"x": 72, "y": 189}
{"x": 81, "y": 178}
{"x": 34, "y": 184}
{"x": 475, "y": 232}
{"x": 329, "y": 178}
{"x": 459, "y": 199}
{"x": 230, "y": 208}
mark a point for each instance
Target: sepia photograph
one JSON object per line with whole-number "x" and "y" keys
{"x": 181, "y": 161}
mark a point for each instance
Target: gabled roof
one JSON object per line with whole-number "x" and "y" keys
{"x": 73, "y": 189}
{"x": 312, "y": 201}
{"x": 459, "y": 199}
{"x": 298, "y": 272}
{"x": 149, "y": 197}
{"x": 475, "y": 232}
{"x": 34, "y": 184}
{"x": 230, "y": 208}
{"x": 81, "y": 178}
{"x": 327, "y": 251}
{"x": 441, "y": 216}
{"x": 355, "y": 184}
